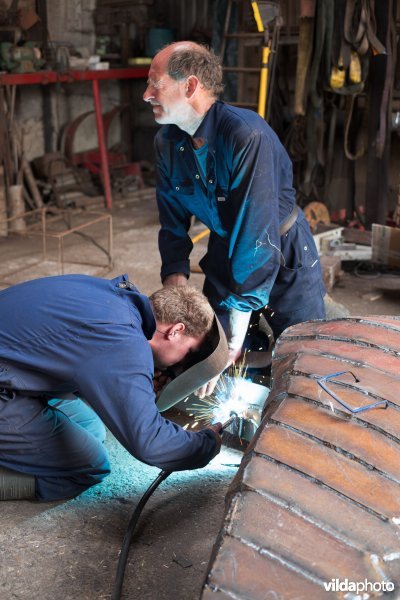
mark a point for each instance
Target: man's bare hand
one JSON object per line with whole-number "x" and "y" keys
{"x": 175, "y": 279}
{"x": 208, "y": 388}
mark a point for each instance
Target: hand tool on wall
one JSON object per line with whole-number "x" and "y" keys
{"x": 268, "y": 21}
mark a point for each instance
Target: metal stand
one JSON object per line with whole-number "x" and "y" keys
{"x": 42, "y": 225}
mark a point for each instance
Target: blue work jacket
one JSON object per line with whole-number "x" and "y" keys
{"x": 88, "y": 336}
{"x": 244, "y": 197}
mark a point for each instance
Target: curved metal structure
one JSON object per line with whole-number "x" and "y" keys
{"x": 315, "y": 506}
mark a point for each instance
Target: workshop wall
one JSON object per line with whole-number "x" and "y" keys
{"x": 71, "y": 26}
{"x": 186, "y": 19}
{"x": 71, "y": 23}
{"x": 6, "y": 4}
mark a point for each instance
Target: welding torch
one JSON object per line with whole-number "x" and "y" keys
{"x": 232, "y": 419}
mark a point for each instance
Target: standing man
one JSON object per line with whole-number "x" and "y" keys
{"x": 227, "y": 167}
{"x": 74, "y": 335}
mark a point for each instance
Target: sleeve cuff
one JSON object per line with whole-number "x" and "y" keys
{"x": 177, "y": 267}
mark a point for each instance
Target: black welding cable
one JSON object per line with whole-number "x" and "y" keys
{"x": 119, "y": 579}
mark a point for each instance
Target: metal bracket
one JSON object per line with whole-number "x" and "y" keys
{"x": 325, "y": 378}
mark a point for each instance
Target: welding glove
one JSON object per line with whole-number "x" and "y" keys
{"x": 237, "y": 325}
{"x": 237, "y": 329}
{"x": 217, "y": 429}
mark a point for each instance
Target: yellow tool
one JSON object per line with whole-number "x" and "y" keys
{"x": 266, "y": 14}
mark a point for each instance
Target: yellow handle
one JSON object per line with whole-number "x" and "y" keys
{"x": 257, "y": 17}
{"x": 262, "y": 94}
{"x": 200, "y": 236}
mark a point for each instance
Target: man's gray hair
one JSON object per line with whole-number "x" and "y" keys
{"x": 198, "y": 60}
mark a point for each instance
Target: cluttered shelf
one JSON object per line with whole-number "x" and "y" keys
{"x": 71, "y": 76}
{"x": 76, "y": 76}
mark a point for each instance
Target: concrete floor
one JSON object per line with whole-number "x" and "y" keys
{"x": 70, "y": 549}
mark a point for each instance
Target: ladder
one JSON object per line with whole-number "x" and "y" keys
{"x": 258, "y": 28}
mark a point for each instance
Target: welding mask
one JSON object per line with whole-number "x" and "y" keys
{"x": 209, "y": 362}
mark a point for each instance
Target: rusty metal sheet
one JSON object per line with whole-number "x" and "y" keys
{"x": 386, "y": 419}
{"x": 320, "y": 556}
{"x": 321, "y": 505}
{"x": 372, "y": 380}
{"x": 244, "y": 571}
{"x": 209, "y": 594}
{"x": 331, "y": 467}
{"x": 318, "y": 489}
{"x": 389, "y": 362}
{"x": 290, "y": 378}
{"x": 358, "y": 332}
{"x": 376, "y": 449}
{"x": 393, "y": 321}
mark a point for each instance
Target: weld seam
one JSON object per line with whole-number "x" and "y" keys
{"x": 337, "y": 449}
{"x": 324, "y": 485}
{"x": 334, "y": 338}
{"x": 334, "y": 533}
{"x": 347, "y": 416}
{"x": 278, "y": 558}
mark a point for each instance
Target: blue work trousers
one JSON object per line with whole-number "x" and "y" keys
{"x": 60, "y": 442}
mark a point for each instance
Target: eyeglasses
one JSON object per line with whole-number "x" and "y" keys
{"x": 166, "y": 332}
{"x": 324, "y": 378}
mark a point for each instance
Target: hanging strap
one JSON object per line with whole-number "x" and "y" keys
{"x": 320, "y": 28}
{"x": 384, "y": 110}
{"x": 361, "y": 139}
{"x": 360, "y": 27}
{"x": 306, "y": 31}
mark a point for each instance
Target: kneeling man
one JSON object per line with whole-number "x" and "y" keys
{"x": 70, "y": 337}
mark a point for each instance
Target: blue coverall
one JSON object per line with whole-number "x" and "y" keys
{"x": 82, "y": 336}
{"x": 243, "y": 195}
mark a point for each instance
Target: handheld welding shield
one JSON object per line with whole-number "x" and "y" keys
{"x": 210, "y": 362}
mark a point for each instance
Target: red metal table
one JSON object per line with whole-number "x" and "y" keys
{"x": 47, "y": 77}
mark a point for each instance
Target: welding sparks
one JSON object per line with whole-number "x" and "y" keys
{"x": 231, "y": 395}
